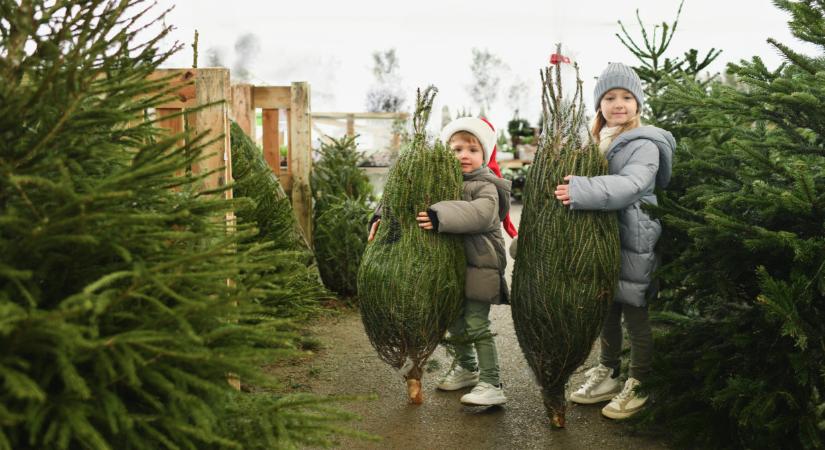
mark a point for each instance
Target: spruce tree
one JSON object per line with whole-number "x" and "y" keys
{"x": 659, "y": 71}
{"x": 292, "y": 286}
{"x": 744, "y": 365}
{"x": 342, "y": 193}
{"x": 125, "y": 299}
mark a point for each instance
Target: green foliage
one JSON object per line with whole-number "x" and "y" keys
{"x": 291, "y": 422}
{"x": 342, "y": 193}
{"x": 340, "y": 240}
{"x": 568, "y": 261}
{"x": 125, "y": 301}
{"x": 658, "y": 71}
{"x": 268, "y": 206}
{"x": 293, "y": 287}
{"x": 742, "y": 365}
{"x": 518, "y": 176}
{"x": 411, "y": 281}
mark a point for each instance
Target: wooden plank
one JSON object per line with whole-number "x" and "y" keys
{"x": 271, "y": 97}
{"x": 300, "y": 159}
{"x": 183, "y": 82}
{"x": 350, "y": 124}
{"x": 512, "y": 163}
{"x": 242, "y": 110}
{"x": 360, "y": 115}
{"x": 212, "y": 85}
{"x": 173, "y": 124}
{"x": 271, "y": 141}
{"x": 286, "y": 182}
{"x": 289, "y": 141}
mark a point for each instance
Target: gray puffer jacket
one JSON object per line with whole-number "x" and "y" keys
{"x": 639, "y": 160}
{"x": 478, "y": 215}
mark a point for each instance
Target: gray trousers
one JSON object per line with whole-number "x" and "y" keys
{"x": 641, "y": 339}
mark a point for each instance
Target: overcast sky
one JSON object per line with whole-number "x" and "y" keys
{"x": 329, "y": 43}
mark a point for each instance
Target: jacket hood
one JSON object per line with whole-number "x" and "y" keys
{"x": 503, "y": 187}
{"x": 664, "y": 142}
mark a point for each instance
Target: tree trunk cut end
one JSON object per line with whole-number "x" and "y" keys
{"x": 414, "y": 391}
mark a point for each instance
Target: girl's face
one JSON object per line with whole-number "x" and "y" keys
{"x": 618, "y": 106}
{"x": 469, "y": 154}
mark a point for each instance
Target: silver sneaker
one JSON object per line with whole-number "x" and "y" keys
{"x": 484, "y": 394}
{"x": 627, "y": 403}
{"x": 457, "y": 378}
{"x": 598, "y": 387}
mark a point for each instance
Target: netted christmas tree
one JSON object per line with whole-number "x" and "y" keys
{"x": 568, "y": 260}
{"x": 743, "y": 364}
{"x": 126, "y": 299}
{"x": 411, "y": 281}
{"x": 342, "y": 193}
{"x": 291, "y": 284}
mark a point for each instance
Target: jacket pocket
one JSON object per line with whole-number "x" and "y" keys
{"x": 483, "y": 285}
{"x": 648, "y": 232}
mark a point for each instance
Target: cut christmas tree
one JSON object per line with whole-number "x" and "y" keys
{"x": 568, "y": 261}
{"x": 411, "y": 281}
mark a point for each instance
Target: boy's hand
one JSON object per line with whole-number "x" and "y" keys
{"x": 424, "y": 221}
{"x": 563, "y": 191}
{"x": 373, "y": 230}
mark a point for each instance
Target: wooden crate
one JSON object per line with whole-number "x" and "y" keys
{"x": 295, "y": 101}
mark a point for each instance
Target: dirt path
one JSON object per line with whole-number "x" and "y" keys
{"x": 349, "y": 365}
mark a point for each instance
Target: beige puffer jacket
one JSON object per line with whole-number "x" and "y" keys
{"x": 478, "y": 215}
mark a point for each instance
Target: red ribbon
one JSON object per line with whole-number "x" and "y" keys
{"x": 556, "y": 59}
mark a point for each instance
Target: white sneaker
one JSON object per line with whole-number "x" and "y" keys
{"x": 458, "y": 378}
{"x": 484, "y": 394}
{"x": 627, "y": 403}
{"x": 598, "y": 387}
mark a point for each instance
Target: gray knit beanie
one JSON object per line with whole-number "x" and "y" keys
{"x": 618, "y": 75}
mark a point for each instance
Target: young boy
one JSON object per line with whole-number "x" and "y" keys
{"x": 478, "y": 216}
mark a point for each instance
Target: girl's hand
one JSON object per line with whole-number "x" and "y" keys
{"x": 424, "y": 221}
{"x": 373, "y": 230}
{"x": 563, "y": 191}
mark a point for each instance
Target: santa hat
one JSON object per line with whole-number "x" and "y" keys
{"x": 479, "y": 128}
{"x": 484, "y": 131}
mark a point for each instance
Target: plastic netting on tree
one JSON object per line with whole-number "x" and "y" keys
{"x": 568, "y": 260}
{"x": 411, "y": 281}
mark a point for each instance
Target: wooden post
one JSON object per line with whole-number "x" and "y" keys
{"x": 271, "y": 141}
{"x": 212, "y": 86}
{"x": 242, "y": 109}
{"x": 300, "y": 159}
{"x": 350, "y": 125}
{"x": 173, "y": 124}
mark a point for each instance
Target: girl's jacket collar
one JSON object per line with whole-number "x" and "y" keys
{"x": 663, "y": 140}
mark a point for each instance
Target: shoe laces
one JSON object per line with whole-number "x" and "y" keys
{"x": 628, "y": 390}
{"x": 456, "y": 371}
{"x": 595, "y": 376}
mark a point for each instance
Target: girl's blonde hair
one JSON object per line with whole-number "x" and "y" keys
{"x": 600, "y": 122}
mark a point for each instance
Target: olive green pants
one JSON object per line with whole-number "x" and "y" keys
{"x": 472, "y": 330}
{"x": 637, "y": 322}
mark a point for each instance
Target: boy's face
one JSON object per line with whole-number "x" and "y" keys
{"x": 469, "y": 154}
{"x": 618, "y": 106}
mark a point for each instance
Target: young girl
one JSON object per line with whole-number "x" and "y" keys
{"x": 639, "y": 160}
